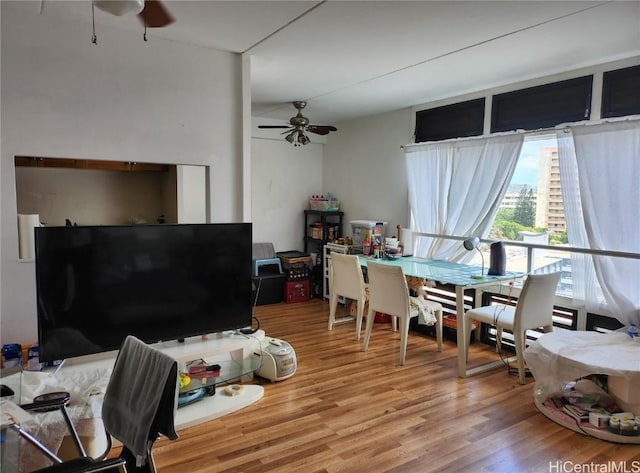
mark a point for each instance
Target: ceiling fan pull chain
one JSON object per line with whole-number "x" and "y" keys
{"x": 94, "y": 38}
{"x": 144, "y": 36}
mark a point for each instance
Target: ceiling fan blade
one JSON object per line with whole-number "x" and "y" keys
{"x": 321, "y": 129}
{"x": 274, "y": 126}
{"x": 155, "y": 14}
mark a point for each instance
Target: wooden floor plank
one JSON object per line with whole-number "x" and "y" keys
{"x": 351, "y": 411}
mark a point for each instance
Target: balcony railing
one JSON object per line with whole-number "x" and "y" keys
{"x": 535, "y": 258}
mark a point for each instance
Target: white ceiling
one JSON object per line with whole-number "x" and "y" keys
{"x": 350, "y": 59}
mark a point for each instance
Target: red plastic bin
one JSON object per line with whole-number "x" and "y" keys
{"x": 296, "y": 291}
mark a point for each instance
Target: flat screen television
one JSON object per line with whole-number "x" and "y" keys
{"x": 97, "y": 284}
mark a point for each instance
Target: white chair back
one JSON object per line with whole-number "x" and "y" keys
{"x": 388, "y": 291}
{"x": 389, "y": 294}
{"x": 345, "y": 276}
{"x": 346, "y": 280}
{"x": 535, "y": 304}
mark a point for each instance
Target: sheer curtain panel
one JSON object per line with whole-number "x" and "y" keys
{"x": 455, "y": 188}
{"x": 600, "y": 178}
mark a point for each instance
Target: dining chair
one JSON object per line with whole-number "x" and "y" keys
{"x": 534, "y": 309}
{"x": 346, "y": 280}
{"x": 389, "y": 294}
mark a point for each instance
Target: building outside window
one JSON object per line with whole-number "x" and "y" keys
{"x": 532, "y": 211}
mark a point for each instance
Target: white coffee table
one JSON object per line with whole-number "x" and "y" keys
{"x": 566, "y": 355}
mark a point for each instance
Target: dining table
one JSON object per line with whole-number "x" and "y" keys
{"x": 462, "y": 277}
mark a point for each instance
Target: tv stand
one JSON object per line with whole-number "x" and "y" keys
{"x": 236, "y": 347}
{"x": 230, "y": 349}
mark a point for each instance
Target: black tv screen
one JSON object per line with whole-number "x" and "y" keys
{"x": 98, "y": 284}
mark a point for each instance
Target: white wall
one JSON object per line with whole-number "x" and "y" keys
{"x": 192, "y": 194}
{"x": 122, "y": 99}
{"x": 283, "y": 179}
{"x": 364, "y": 166}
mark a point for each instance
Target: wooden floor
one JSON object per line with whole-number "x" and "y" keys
{"x": 349, "y": 411}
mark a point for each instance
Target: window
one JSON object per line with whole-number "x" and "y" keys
{"x": 451, "y": 121}
{"x": 620, "y": 94}
{"x": 532, "y": 211}
{"x": 542, "y": 106}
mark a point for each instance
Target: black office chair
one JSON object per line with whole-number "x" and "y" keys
{"x": 144, "y": 380}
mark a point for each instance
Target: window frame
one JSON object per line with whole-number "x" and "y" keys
{"x": 461, "y": 119}
{"x": 542, "y": 106}
{"x": 618, "y": 99}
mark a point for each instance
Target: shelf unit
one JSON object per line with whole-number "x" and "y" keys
{"x": 327, "y": 220}
{"x": 326, "y": 257}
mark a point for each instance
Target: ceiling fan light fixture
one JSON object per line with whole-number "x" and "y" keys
{"x": 120, "y": 7}
{"x": 291, "y": 136}
{"x": 303, "y": 139}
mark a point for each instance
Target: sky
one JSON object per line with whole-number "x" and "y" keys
{"x": 527, "y": 169}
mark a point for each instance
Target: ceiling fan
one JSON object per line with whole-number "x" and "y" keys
{"x": 152, "y": 13}
{"x": 299, "y": 125}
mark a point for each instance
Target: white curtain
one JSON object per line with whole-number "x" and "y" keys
{"x": 455, "y": 188}
{"x": 600, "y": 177}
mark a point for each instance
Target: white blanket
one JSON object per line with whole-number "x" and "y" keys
{"x": 86, "y": 389}
{"x": 425, "y": 310}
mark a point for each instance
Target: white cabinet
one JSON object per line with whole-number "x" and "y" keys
{"x": 326, "y": 256}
